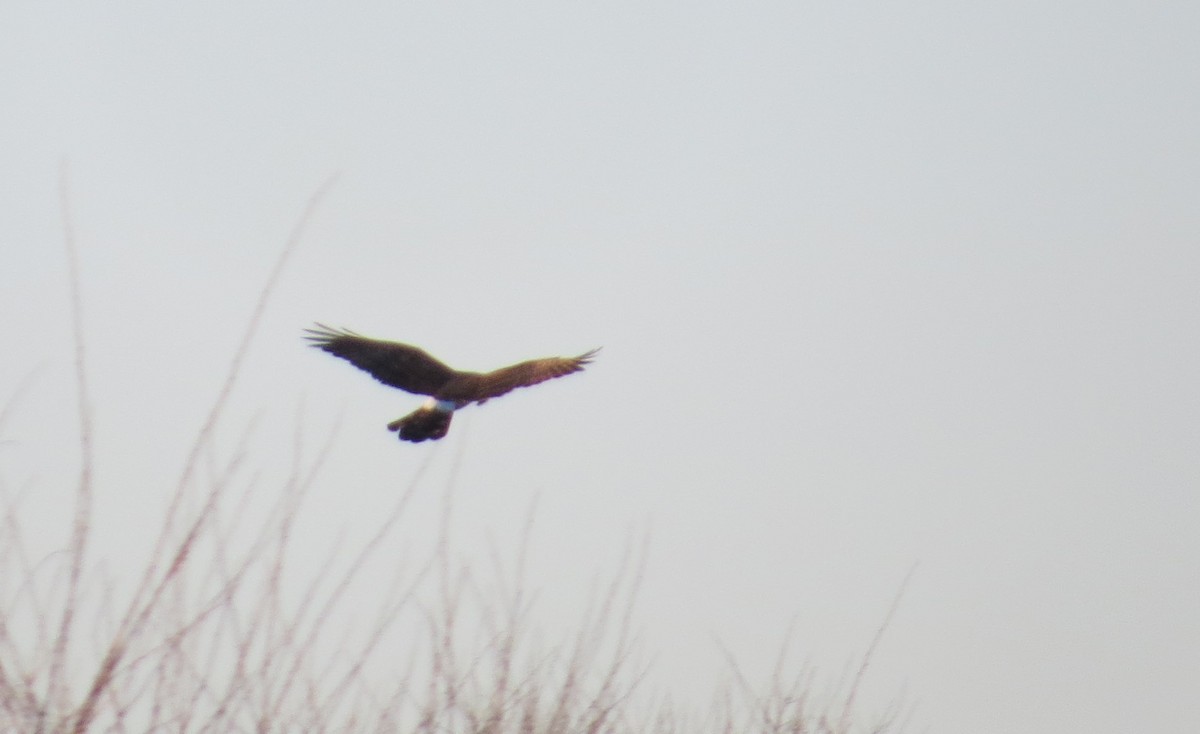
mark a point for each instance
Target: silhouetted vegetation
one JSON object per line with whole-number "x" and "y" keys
{"x": 215, "y": 631}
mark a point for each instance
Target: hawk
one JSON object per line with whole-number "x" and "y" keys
{"x": 413, "y": 370}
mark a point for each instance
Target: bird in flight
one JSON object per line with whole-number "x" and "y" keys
{"x": 413, "y": 370}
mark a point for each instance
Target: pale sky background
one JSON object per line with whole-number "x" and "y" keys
{"x": 877, "y": 283}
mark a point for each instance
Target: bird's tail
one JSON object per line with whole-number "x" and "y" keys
{"x": 424, "y": 423}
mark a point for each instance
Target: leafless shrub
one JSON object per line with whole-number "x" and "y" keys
{"x": 209, "y": 639}
{"x": 793, "y": 702}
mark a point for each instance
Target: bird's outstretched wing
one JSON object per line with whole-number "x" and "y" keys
{"x": 392, "y": 363}
{"x": 473, "y": 387}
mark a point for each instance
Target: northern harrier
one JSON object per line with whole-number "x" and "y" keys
{"x": 413, "y": 370}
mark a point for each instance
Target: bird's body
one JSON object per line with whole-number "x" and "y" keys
{"x": 413, "y": 370}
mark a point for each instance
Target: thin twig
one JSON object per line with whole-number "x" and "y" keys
{"x": 866, "y": 662}
{"x": 83, "y": 494}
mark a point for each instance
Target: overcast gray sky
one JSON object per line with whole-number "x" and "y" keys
{"x": 877, "y": 283}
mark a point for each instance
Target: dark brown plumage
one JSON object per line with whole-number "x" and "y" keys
{"x": 414, "y": 370}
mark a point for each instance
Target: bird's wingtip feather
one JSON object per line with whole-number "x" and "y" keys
{"x": 321, "y": 334}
